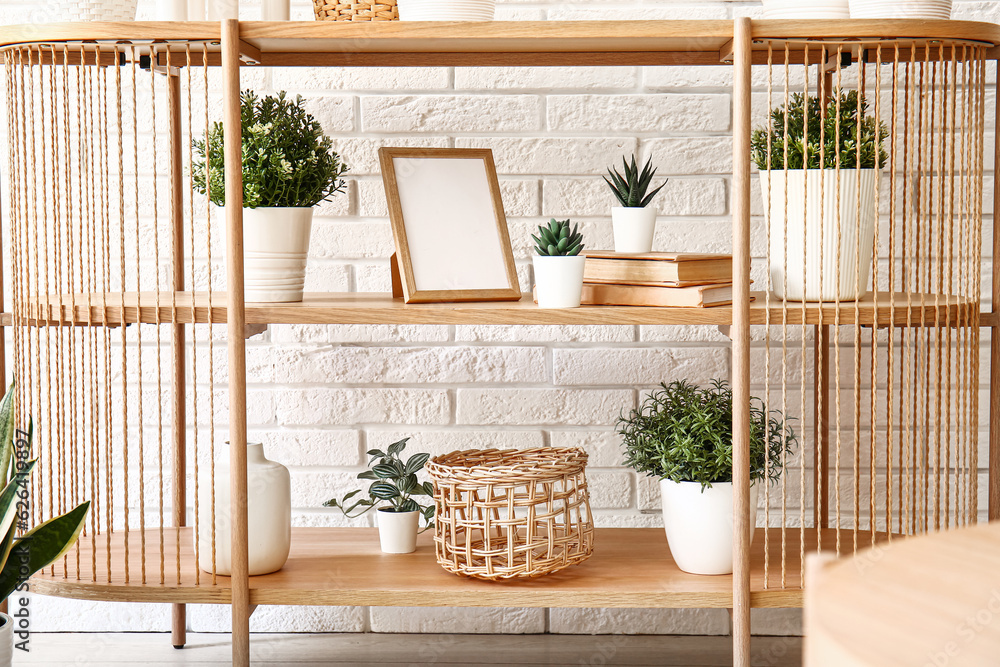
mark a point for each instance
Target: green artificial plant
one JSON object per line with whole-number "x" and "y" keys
{"x": 287, "y": 159}
{"x": 630, "y": 187}
{"x": 557, "y": 239}
{"x": 684, "y": 433}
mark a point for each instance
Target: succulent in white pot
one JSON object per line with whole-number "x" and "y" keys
{"x": 558, "y": 265}
{"x": 289, "y": 166}
{"x": 683, "y": 435}
{"x": 819, "y": 172}
{"x": 634, "y": 221}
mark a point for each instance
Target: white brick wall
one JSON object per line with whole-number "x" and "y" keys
{"x": 321, "y": 395}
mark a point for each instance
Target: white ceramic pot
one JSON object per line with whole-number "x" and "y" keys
{"x": 806, "y": 9}
{"x": 6, "y": 640}
{"x": 699, "y": 524}
{"x": 446, "y": 10}
{"x": 99, "y": 10}
{"x": 269, "y": 512}
{"x": 633, "y": 228}
{"x": 901, "y": 9}
{"x": 558, "y": 280}
{"x": 811, "y": 213}
{"x": 275, "y": 248}
{"x": 397, "y": 531}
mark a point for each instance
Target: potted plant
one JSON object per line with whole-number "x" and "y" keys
{"x": 394, "y": 483}
{"x": 632, "y": 222}
{"x": 289, "y": 166}
{"x": 558, "y": 265}
{"x": 22, "y": 556}
{"x": 837, "y": 176}
{"x": 682, "y": 434}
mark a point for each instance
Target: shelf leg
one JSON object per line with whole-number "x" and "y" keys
{"x": 741, "y": 343}
{"x": 994, "y": 474}
{"x": 236, "y": 319}
{"x": 821, "y": 428}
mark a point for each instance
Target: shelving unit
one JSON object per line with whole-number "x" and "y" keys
{"x": 69, "y": 301}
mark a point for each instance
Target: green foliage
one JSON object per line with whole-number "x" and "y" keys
{"x": 839, "y": 130}
{"x": 684, "y": 433}
{"x": 394, "y": 483}
{"x": 557, "y": 238}
{"x": 21, "y": 557}
{"x": 287, "y": 160}
{"x": 630, "y": 188}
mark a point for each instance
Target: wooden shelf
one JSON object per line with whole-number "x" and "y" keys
{"x": 370, "y": 308}
{"x": 631, "y": 567}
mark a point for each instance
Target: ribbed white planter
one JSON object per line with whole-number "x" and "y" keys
{"x": 558, "y": 280}
{"x": 269, "y": 512}
{"x": 397, "y": 531}
{"x": 812, "y": 218}
{"x": 6, "y": 640}
{"x": 633, "y": 228}
{"x": 100, "y": 10}
{"x": 901, "y": 9}
{"x": 275, "y": 249}
{"x": 806, "y": 9}
{"x": 446, "y": 10}
{"x": 699, "y": 524}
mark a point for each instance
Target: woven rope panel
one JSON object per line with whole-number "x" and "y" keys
{"x": 100, "y": 10}
{"x": 364, "y": 10}
{"x": 507, "y": 514}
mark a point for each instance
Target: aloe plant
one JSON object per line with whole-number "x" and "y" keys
{"x": 22, "y": 556}
{"x": 557, "y": 239}
{"x": 631, "y": 187}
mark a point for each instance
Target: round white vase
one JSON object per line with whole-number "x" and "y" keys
{"x": 558, "y": 280}
{"x": 699, "y": 524}
{"x": 633, "y": 228}
{"x": 6, "y": 640}
{"x": 397, "y": 531}
{"x": 275, "y": 248}
{"x": 269, "y": 515}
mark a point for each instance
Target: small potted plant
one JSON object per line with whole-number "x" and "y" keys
{"x": 682, "y": 435}
{"x": 289, "y": 166}
{"x": 394, "y": 483}
{"x": 558, "y": 265}
{"x": 838, "y": 170}
{"x": 633, "y": 222}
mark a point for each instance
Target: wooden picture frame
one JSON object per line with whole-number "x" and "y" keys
{"x": 448, "y": 225}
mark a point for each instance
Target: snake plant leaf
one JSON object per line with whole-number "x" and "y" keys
{"x": 6, "y": 431}
{"x": 41, "y": 546}
{"x": 9, "y": 496}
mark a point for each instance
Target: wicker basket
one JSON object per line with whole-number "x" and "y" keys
{"x": 358, "y": 10}
{"x": 507, "y": 514}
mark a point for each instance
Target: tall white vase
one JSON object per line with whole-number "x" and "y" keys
{"x": 699, "y": 524}
{"x": 633, "y": 228}
{"x": 811, "y": 213}
{"x": 275, "y": 249}
{"x": 269, "y": 512}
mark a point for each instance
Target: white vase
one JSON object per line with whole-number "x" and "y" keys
{"x": 99, "y": 10}
{"x": 275, "y": 249}
{"x": 397, "y": 531}
{"x": 806, "y": 9}
{"x": 558, "y": 280}
{"x": 6, "y": 640}
{"x": 446, "y": 10}
{"x": 901, "y": 9}
{"x": 811, "y": 213}
{"x": 269, "y": 515}
{"x": 699, "y": 524}
{"x": 275, "y": 10}
{"x": 633, "y": 228}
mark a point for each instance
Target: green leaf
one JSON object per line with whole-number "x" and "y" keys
{"x": 9, "y": 496}
{"x": 41, "y": 546}
{"x": 384, "y": 471}
{"x": 397, "y": 447}
{"x": 383, "y": 491}
{"x": 416, "y": 462}
{"x": 376, "y": 452}
{"x": 7, "y": 431}
{"x": 367, "y": 474}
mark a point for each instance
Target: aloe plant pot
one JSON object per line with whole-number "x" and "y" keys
{"x": 633, "y": 228}
{"x": 558, "y": 280}
{"x": 397, "y": 531}
{"x": 699, "y": 524}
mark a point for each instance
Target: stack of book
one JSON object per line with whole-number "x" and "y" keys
{"x": 673, "y": 279}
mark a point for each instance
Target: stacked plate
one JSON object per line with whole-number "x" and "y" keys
{"x": 446, "y": 10}
{"x": 901, "y": 9}
{"x": 803, "y": 9}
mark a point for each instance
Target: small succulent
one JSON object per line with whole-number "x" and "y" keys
{"x": 630, "y": 188}
{"x": 557, "y": 238}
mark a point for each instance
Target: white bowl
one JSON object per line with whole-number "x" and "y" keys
{"x": 901, "y": 9}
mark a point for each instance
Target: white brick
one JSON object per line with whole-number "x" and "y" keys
{"x": 473, "y": 620}
{"x": 550, "y": 155}
{"x": 334, "y": 112}
{"x": 596, "y": 234}
{"x": 592, "y": 196}
{"x": 322, "y": 406}
{"x": 359, "y": 78}
{"x": 373, "y": 276}
{"x": 53, "y": 614}
{"x": 611, "y": 12}
{"x": 639, "y": 113}
{"x": 357, "y": 333}
{"x": 645, "y": 366}
{"x": 519, "y": 197}
{"x": 277, "y": 618}
{"x": 311, "y": 488}
{"x": 639, "y": 621}
{"x": 327, "y": 277}
{"x": 647, "y": 493}
{"x": 781, "y": 622}
{"x": 351, "y": 239}
{"x": 544, "y": 333}
{"x": 436, "y": 443}
{"x": 610, "y": 490}
{"x": 450, "y": 113}
{"x": 312, "y": 447}
{"x": 361, "y": 153}
{"x": 544, "y": 78}
{"x": 540, "y": 406}
{"x": 690, "y": 155}
{"x": 681, "y": 333}
{"x": 604, "y": 448}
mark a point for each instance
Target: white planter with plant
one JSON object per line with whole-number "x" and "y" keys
{"x": 393, "y": 485}
{"x": 682, "y": 435}
{"x": 821, "y": 218}
{"x": 634, "y": 222}
{"x": 558, "y": 265}
{"x": 289, "y": 166}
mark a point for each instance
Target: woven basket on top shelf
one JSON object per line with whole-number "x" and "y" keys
{"x": 355, "y": 10}
{"x": 507, "y": 514}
